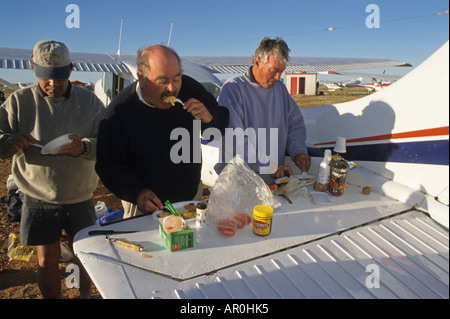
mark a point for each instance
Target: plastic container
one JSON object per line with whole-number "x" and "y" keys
{"x": 11, "y": 186}
{"x": 323, "y": 173}
{"x": 340, "y": 145}
{"x": 262, "y": 220}
{"x": 100, "y": 209}
{"x": 338, "y": 175}
{"x": 173, "y": 224}
{"x": 202, "y": 207}
{"x": 66, "y": 253}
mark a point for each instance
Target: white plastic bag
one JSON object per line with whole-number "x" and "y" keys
{"x": 237, "y": 190}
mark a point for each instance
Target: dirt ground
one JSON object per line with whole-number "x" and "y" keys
{"x": 18, "y": 278}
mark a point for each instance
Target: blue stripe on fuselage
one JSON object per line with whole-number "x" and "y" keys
{"x": 426, "y": 152}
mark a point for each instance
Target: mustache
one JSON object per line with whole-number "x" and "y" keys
{"x": 168, "y": 93}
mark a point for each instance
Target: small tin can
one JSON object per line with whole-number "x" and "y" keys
{"x": 337, "y": 177}
{"x": 262, "y": 220}
{"x": 202, "y": 207}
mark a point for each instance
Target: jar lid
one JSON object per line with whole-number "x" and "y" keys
{"x": 202, "y": 205}
{"x": 263, "y": 211}
{"x": 339, "y": 164}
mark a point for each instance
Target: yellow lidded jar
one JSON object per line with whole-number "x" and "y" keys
{"x": 262, "y": 219}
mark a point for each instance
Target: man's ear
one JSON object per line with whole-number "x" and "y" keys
{"x": 256, "y": 61}
{"x": 140, "y": 76}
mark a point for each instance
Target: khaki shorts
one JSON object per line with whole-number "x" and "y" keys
{"x": 131, "y": 210}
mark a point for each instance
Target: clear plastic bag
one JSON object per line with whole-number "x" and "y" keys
{"x": 237, "y": 190}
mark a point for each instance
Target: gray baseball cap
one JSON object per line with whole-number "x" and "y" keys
{"x": 51, "y": 60}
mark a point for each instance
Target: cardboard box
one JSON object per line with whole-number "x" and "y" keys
{"x": 177, "y": 240}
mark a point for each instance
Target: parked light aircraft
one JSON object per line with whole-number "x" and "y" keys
{"x": 378, "y": 80}
{"x": 399, "y": 139}
{"x": 353, "y": 83}
{"x": 339, "y": 85}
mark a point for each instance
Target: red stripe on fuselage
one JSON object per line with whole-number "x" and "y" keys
{"x": 438, "y": 131}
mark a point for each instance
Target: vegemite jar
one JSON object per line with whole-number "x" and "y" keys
{"x": 262, "y": 220}
{"x": 337, "y": 176}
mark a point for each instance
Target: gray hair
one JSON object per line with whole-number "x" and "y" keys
{"x": 143, "y": 55}
{"x": 275, "y": 46}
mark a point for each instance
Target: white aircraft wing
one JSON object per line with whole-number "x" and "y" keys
{"x": 20, "y": 59}
{"x": 202, "y": 68}
{"x": 13, "y": 58}
{"x": 240, "y": 64}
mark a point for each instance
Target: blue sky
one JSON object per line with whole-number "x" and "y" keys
{"x": 408, "y": 29}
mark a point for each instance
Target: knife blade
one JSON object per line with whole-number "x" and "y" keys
{"x": 110, "y": 232}
{"x": 286, "y": 198}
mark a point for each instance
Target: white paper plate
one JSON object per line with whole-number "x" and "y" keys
{"x": 179, "y": 207}
{"x": 55, "y": 145}
{"x": 286, "y": 179}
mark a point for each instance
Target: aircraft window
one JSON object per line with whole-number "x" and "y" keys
{"x": 108, "y": 84}
{"x": 212, "y": 88}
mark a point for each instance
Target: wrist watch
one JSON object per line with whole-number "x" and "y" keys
{"x": 84, "y": 147}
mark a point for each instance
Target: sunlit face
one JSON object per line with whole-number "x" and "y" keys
{"x": 161, "y": 80}
{"x": 53, "y": 88}
{"x": 269, "y": 73}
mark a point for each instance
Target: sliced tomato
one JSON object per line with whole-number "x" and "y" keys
{"x": 242, "y": 219}
{"x": 227, "y": 227}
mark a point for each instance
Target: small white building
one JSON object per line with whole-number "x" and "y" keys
{"x": 301, "y": 83}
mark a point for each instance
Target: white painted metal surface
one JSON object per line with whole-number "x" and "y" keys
{"x": 410, "y": 252}
{"x": 314, "y": 251}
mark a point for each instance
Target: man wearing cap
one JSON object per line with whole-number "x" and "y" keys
{"x": 57, "y": 188}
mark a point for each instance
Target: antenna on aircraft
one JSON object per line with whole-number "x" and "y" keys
{"x": 120, "y": 36}
{"x": 170, "y": 34}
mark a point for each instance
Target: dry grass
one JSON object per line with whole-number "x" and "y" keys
{"x": 326, "y": 97}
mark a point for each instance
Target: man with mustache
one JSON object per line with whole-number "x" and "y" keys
{"x": 135, "y": 143}
{"x": 58, "y": 188}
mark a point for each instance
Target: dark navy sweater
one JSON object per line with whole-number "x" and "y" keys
{"x": 134, "y": 145}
